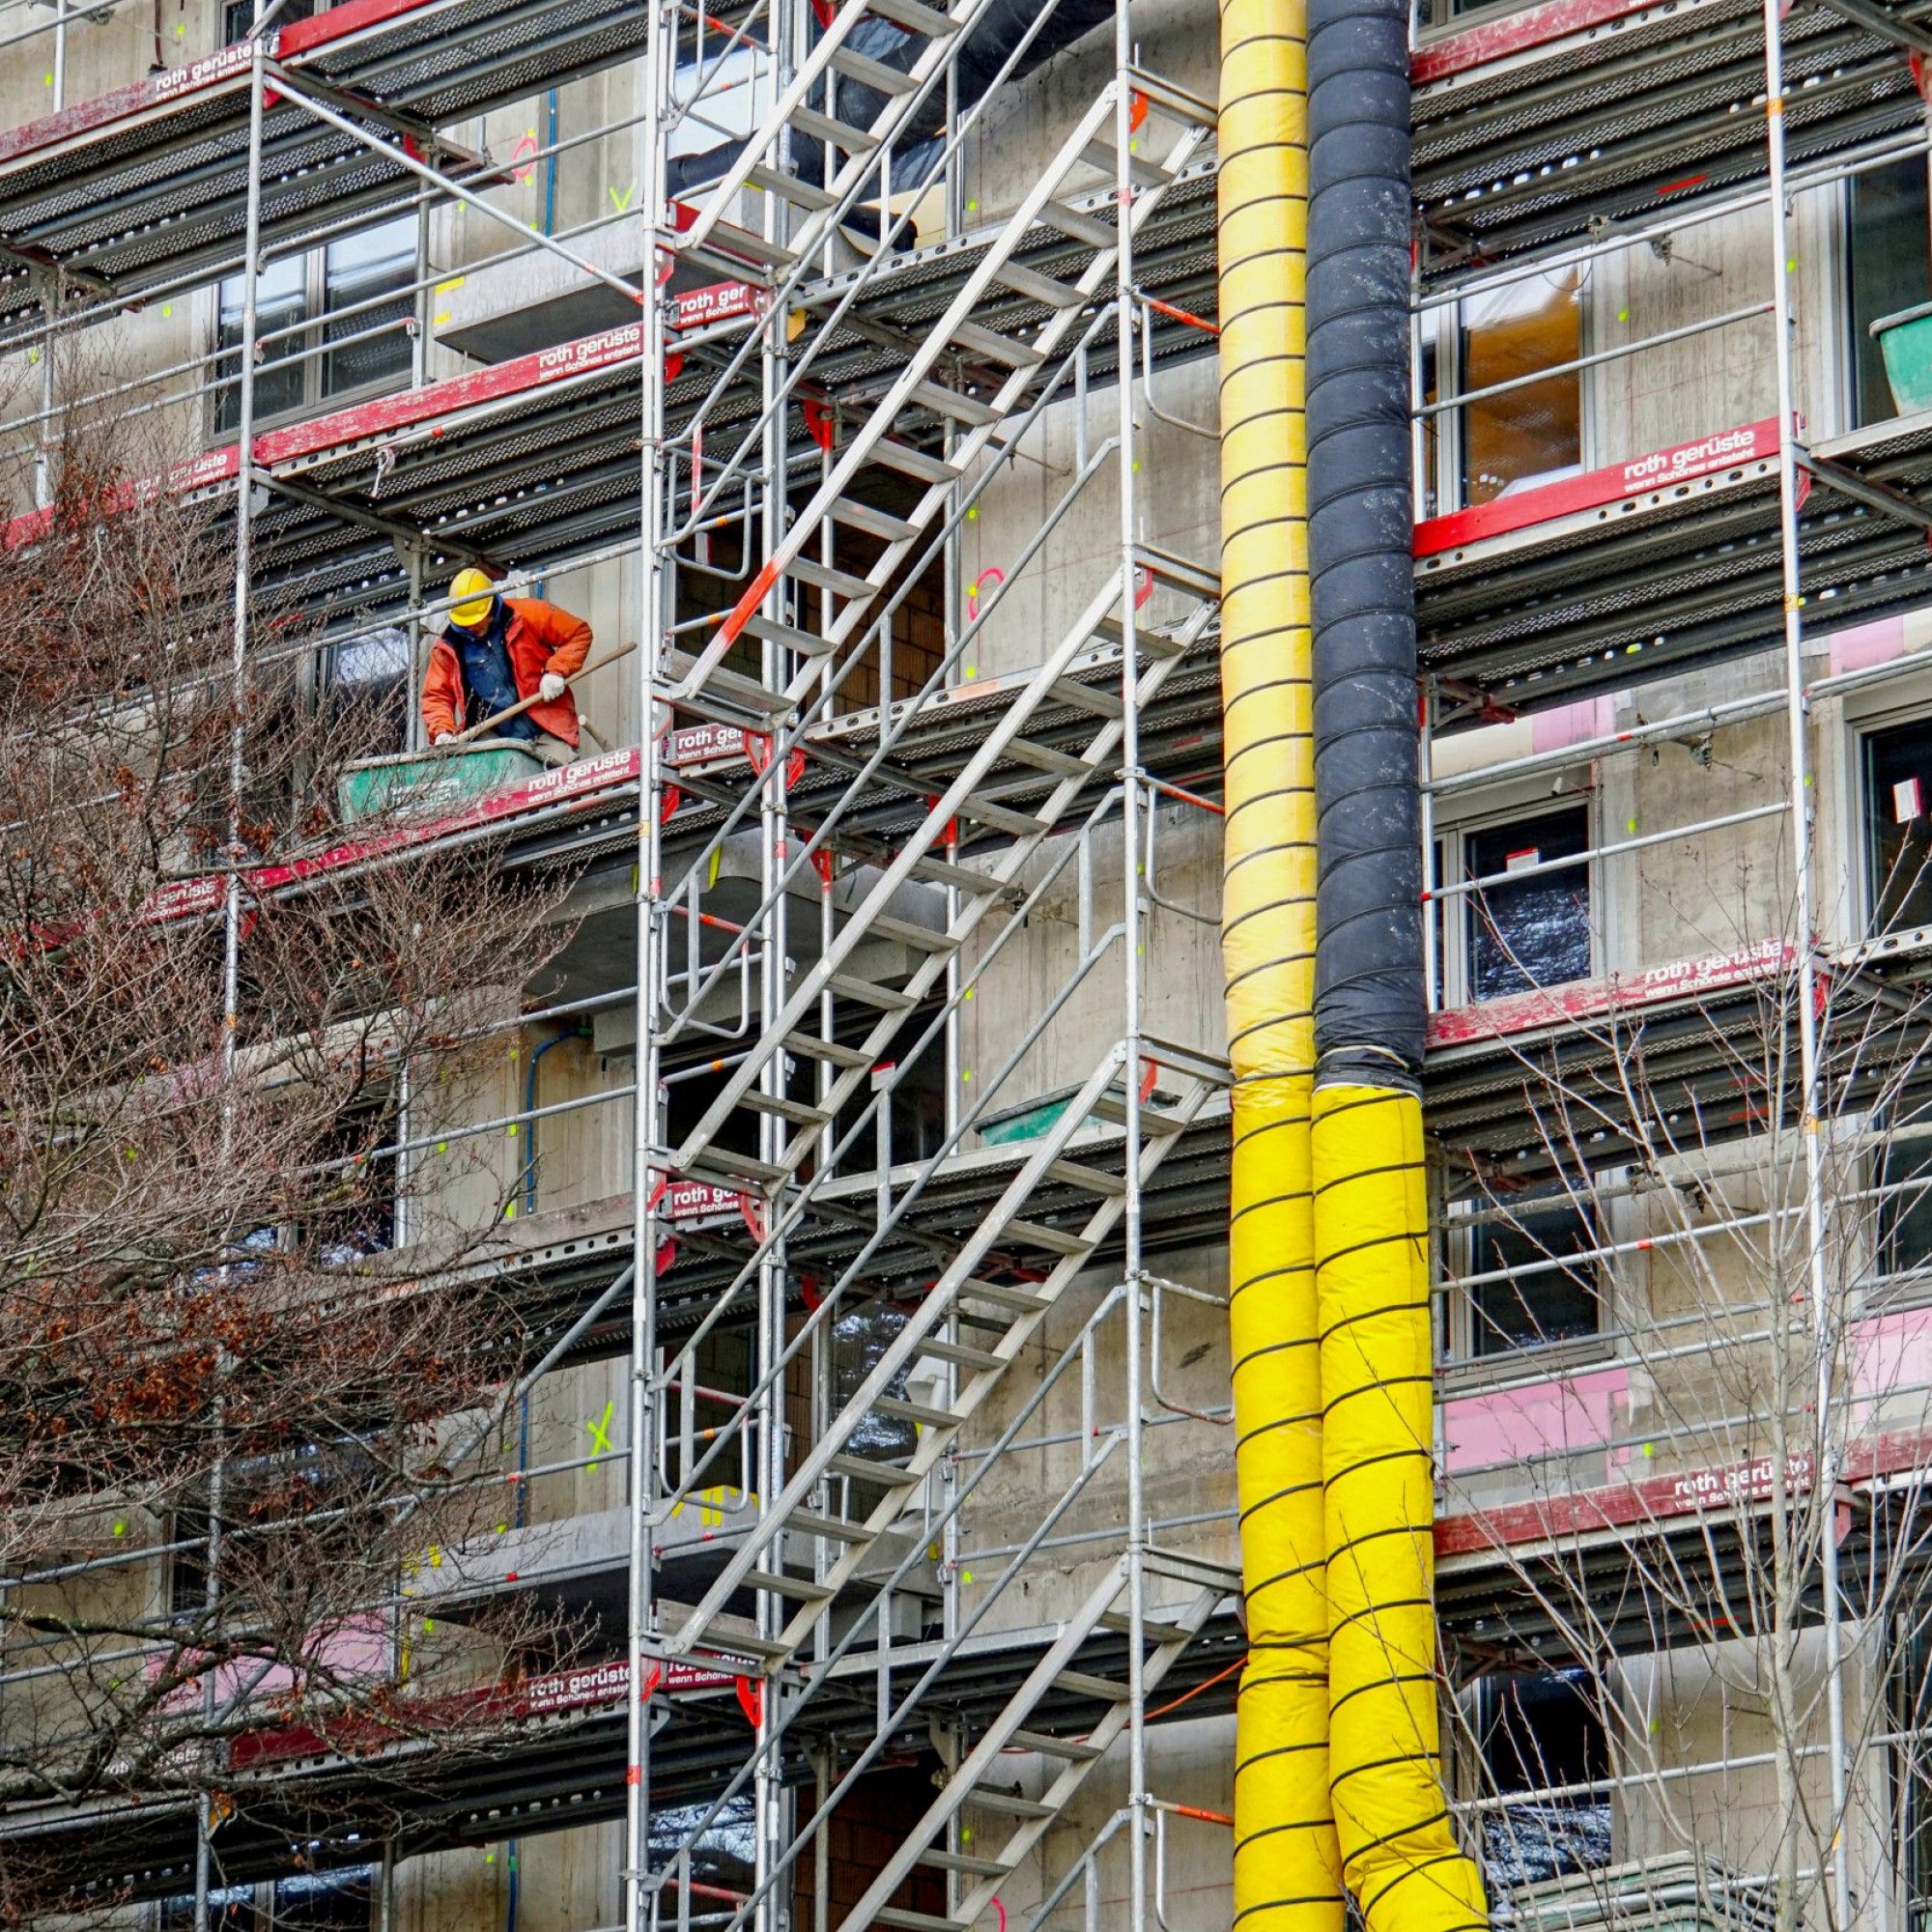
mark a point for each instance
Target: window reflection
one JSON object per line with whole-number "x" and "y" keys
{"x": 1533, "y": 434}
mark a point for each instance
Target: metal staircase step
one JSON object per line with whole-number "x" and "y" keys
{"x": 834, "y": 1053}
{"x": 918, "y": 1921}
{"x": 1141, "y": 171}
{"x": 834, "y": 133}
{"x": 943, "y": 872}
{"x": 786, "y": 1108}
{"x": 1048, "y": 759}
{"x": 962, "y": 1353}
{"x": 832, "y": 1528}
{"x": 916, "y": 1411}
{"x": 886, "y": 998}
{"x": 1089, "y": 1179}
{"x": 788, "y": 187}
{"x": 964, "y": 1861}
{"x": 726, "y": 1165}
{"x": 1047, "y": 290}
{"x": 808, "y": 643}
{"x": 828, "y": 576}
{"x": 875, "y": 523}
{"x": 1027, "y": 1301}
{"x": 1000, "y": 817}
{"x": 1112, "y": 1107}
{"x": 914, "y": 463}
{"x": 869, "y": 72}
{"x": 1182, "y": 572}
{"x": 913, "y": 19}
{"x": 1155, "y": 1630}
{"x": 863, "y": 1469}
{"x": 728, "y": 239}
{"x": 1076, "y": 226}
{"x": 1096, "y": 699}
{"x": 1009, "y": 350}
{"x": 1084, "y": 1685}
{"x": 1050, "y": 1747}
{"x": 944, "y": 402}
{"x": 1055, "y": 1240}
{"x": 904, "y": 932}
{"x": 778, "y": 1584}
{"x": 729, "y": 690}
{"x": 1010, "y": 1803}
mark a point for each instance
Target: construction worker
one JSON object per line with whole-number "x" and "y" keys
{"x": 496, "y": 652}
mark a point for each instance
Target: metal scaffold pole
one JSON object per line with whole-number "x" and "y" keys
{"x": 648, "y": 1135}
{"x": 1821, "y": 1488}
{"x": 1132, "y": 963}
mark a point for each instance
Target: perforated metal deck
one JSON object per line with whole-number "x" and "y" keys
{"x": 148, "y": 185}
{"x": 1538, "y": 127}
{"x": 1669, "y": 561}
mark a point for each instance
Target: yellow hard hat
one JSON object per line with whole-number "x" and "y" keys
{"x": 473, "y": 595}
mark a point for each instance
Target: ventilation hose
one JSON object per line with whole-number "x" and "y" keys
{"x": 1286, "y": 1874}
{"x": 1399, "y": 1852}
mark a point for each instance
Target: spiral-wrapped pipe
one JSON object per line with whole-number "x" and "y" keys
{"x": 1286, "y": 1873}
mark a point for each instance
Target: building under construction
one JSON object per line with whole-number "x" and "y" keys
{"x": 1091, "y": 1218}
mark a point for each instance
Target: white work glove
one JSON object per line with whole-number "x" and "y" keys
{"x": 443, "y": 738}
{"x": 551, "y": 687}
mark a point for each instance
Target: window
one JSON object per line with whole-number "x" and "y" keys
{"x": 1898, "y": 803}
{"x": 1537, "y": 1734}
{"x": 356, "y": 289}
{"x": 238, "y": 15}
{"x": 323, "y": 1902}
{"x": 1889, "y": 267}
{"x": 1513, "y": 934}
{"x": 1499, "y": 444}
{"x": 230, "y": 1909}
{"x": 369, "y": 689}
{"x": 1902, "y": 1174}
{"x": 1543, "y": 1293}
{"x": 1911, "y": 1688}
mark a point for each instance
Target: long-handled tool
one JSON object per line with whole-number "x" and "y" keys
{"x": 522, "y": 704}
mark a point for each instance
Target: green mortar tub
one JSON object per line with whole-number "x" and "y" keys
{"x": 1904, "y": 340}
{"x": 417, "y": 785}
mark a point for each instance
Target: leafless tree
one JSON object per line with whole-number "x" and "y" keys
{"x": 230, "y": 1423}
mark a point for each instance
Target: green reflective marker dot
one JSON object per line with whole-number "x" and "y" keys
{"x": 1629, "y": 825}
{"x": 442, "y": 1147}
{"x": 1623, "y": 315}
{"x": 511, "y": 1131}
{"x": 972, "y": 513}
{"x": 120, "y": 1529}
{"x": 966, "y": 1576}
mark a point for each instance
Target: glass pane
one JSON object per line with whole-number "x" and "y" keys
{"x": 325, "y": 1902}
{"x": 369, "y": 689}
{"x": 361, "y": 269}
{"x": 1904, "y": 1175}
{"x": 1898, "y": 830}
{"x": 281, "y": 301}
{"x": 1541, "y": 1733}
{"x": 1534, "y": 433}
{"x": 1535, "y": 933}
{"x": 1890, "y": 270}
{"x": 1538, "y": 1302}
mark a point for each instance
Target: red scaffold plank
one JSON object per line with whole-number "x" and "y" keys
{"x": 1616, "y": 483}
{"x": 1543, "y": 1008}
{"x": 1520, "y": 32}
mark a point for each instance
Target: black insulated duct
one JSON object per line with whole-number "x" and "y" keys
{"x": 1369, "y": 999}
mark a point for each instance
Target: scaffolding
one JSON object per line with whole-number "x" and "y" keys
{"x": 836, "y": 841}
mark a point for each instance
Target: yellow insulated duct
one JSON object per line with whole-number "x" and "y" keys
{"x": 1399, "y": 1850}
{"x": 1286, "y": 1869}
{"x": 1372, "y": 1230}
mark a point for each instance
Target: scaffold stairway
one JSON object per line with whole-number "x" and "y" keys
{"x": 1000, "y": 1283}
{"x": 701, "y": 1156}
{"x": 795, "y": 568}
{"x": 1171, "y": 1628}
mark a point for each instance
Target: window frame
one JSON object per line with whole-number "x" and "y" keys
{"x": 1447, "y": 856}
{"x": 1849, "y": 414}
{"x": 1439, "y": 341}
{"x": 313, "y": 346}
